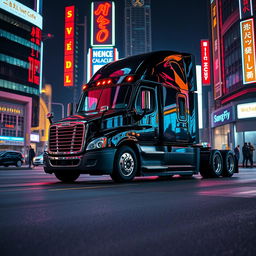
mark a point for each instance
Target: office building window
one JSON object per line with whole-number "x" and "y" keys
{"x": 232, "y": 58}
{"x": 228, "y": 8}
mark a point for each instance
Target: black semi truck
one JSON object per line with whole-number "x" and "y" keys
{"x": 136, "y": 117}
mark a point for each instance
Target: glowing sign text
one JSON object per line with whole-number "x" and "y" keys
{"x": 248, "y": 51}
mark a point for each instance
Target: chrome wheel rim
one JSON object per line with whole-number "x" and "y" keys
{"x": 126, "y": 164}
{"x": 217, "y": 164}
{"x": 19, "y": 164}
{"x": 230, "y": 164}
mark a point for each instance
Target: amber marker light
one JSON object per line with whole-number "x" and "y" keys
{"x": 85, "y": 87}
{"x": 129, "y": 79}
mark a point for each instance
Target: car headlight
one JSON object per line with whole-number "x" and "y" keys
{"x": 97, "y": 143}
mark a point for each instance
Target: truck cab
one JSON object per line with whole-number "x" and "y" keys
{"x": 136, "y": 117}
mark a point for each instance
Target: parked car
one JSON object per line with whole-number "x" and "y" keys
{"x": 38, "y": 160}
{"x": 11, "y": 158}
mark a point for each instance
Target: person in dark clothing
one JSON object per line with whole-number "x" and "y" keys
{"x": 31, "y": 155}
{"x": 237, "y": 153}
{"x": 245, "y": 150}
{"x": 251, "y": 149}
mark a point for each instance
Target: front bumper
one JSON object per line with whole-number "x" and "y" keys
{"x": 92, "y": 162}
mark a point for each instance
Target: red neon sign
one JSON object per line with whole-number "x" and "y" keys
{"x": 34, "y": 58}
{"x": 205, "y": 59}
{"x": 69, "y": 45}
{"x": 102, "y": 23}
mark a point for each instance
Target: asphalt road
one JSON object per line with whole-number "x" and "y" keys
{"x": 94, "y": 216}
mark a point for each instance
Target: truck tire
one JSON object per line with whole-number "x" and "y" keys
{"x": 125, "y": 165}
{"x": 211, "y": 165}
{"x": 216, "y": 164}
{"x": 228, "y": 164}
{"x": 67, "y": 176}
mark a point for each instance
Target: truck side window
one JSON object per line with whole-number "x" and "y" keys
{"x": 182, "y": 107}
{"x": 145, "y": 100}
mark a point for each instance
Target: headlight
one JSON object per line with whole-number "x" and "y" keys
{"x": 97, "y": 143}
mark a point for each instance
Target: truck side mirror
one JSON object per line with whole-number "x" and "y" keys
{"x": 50, "y": 116}
{"x": 70, "y": 109}
{"x": 145, "y": 100}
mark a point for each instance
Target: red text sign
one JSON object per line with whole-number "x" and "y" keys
{"x": 205, "y": 59}
{"x": 102, "y": 24}
{"x": 69, "y": 35}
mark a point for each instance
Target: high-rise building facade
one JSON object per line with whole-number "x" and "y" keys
{"x": 138, "y": 38}
{"x": 233, "y": 118}
{"x": 20, "y": 71}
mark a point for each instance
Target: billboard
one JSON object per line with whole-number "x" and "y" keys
{"x": 103, "y": 23}
{"x": 98, "y": 57}
{"x": 69, "y": 45}
{"x": 248, "y": 51}
{"x": 246, "y": 110}
{"x": 245, "y": 9}
{"x": 216, "y": 50}
{"x": 205, "y": 60}
{"x": 18, "y": 9}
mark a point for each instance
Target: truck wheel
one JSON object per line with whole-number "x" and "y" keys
{"x": 229, "y": 164}
{"x": 67, "y": 176}
{"x": 125, "y": 165}
{"x": 216, "y": 164}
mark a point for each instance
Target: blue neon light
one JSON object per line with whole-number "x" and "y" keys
{"x": 11, "y": 138}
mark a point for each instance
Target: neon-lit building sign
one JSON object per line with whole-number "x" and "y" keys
{"x": 34, "y": 58}
{"x": 98, "y": 57}
{"x": 103, "y": 24}
{"x": 246, "y": 110}
{"x": 22, "y": 11}
{"x": 216, "y": 50}
{"x": 69, "y": 45}
{"x": 248, "y": 51}
{"x": 245, "y": 9}
{"x": 205, "y": 59}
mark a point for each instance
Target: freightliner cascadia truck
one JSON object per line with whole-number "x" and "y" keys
{"x": 136, "y": 117}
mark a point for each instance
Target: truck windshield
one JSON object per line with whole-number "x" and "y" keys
{"x": 114, "y": 97}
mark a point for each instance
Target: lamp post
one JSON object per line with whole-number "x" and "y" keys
{"x": 62, "y": 107}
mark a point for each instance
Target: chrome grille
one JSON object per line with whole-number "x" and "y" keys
{"x": 66, "y": 139}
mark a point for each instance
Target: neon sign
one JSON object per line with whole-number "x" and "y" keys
{"x": 69, "y": 45}
{"x": 245, "y": 9}
{"x": 102, "y": 24}
{"x": 248, "y": 51}
{"x": 205, "y": 59}
{"x": 216, "y": 50}
{"x": 34, "y": 58}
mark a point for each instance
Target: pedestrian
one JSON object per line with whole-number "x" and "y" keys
{"x": 245, "y": 151}
{"x": 237, "y": 153}
{"x": 31, "y": 155}
{"x": 251, "y": 149}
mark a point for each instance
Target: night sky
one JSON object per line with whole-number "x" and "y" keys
{"x": 176, "y": 25}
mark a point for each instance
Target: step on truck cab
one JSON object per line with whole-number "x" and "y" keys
{"x": 136, "y": 117}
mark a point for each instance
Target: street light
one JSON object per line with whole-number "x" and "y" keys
{"x": 62, "y": 107}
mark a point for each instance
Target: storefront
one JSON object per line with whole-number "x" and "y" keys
{"x": 245, "y": 128}
{"x": 222, "y": 121}
{"x": 234, "y": 125}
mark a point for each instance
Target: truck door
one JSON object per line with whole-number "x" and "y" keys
{"x": 182, "y": 118}
{"x": 146, "y": 107}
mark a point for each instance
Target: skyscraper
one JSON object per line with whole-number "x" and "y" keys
{"x": 137, "y": 27}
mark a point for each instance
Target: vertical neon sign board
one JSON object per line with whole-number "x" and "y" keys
{"x": 205, "y": 59}
{"x": 103, "y": 23}
{"x": 216, "y": 50}
{"x": 34, "y": 58}
{"x": 245, "y": 9}
{"x": 69, "y": 45}
{"x": 248, "y": 51}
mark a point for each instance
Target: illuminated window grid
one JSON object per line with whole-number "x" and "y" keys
{"x": 18, "y": 87}
{"x": 18, "y": 40}
{"x": 14, "y": 61}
